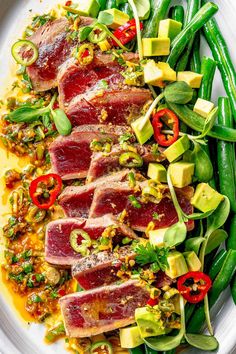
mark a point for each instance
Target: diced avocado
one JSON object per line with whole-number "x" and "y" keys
{"x": 167, "y": 72}
{"x": 156, "y": 46}
{"x": 203, "y": 107}
{"x": 143, "y": 133}
{"x": 119, "y": 18}
{"x": 157, "y": 172}
{"x": 149, "y": 322}
{"x": 152, "y": 74}
{"x": 181, "y": 173}
{"x": 193, "y": 262}
{"x": 176, "y": 150}
{"x": 130, "y": 337}
{"x": 206, "y": 198}
{"x": 88, "y": 8}
{"x": 156, "y": 237}
{"x": 192, "y": 79}
{"x": 177, "y": 265}
{"x": 169, "y": 28}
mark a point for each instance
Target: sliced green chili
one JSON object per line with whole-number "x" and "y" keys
{"x": 130, "y": 159}
{"x": 86, "y": 242}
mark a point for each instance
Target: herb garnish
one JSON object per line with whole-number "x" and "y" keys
{"x": 149, "y": 254}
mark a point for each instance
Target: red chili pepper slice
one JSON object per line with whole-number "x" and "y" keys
{"x": 171, "y": 120}
{"x": 194, "y": 286}
{"x": 45, "y": 189}
{"x": 152, "y": 302}
{"x": 127, "y": 32}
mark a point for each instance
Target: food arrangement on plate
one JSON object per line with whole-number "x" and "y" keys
{"x": 128, "y": 192}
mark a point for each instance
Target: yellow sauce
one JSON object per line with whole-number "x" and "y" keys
{"x": 9, "y": 161}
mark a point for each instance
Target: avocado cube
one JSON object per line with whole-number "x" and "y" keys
{"x": 119, "y": 18}
{"x": 181, "y": 173}
{"x": 152, "y": 74}
{"x": 203, "y": 107}
{"x": 153, "y": 47}
{"x": 88, "y": 8}
{"x": 143, "y": 133}
{"x": 156, "y": 237}
{"x": 167, "y": 72}
{"x": 192, "y": 260}
{"x": 169, "y": 28}
{"x": 206, "y": 198}
{"x": 157, "y": 172}
{"x": 130, "y": 337}
{"x": 176, "y": 150}
{"x": 177, "y": 265}
{"x": 194, "y": 80}
{"x": 149, "y": 323}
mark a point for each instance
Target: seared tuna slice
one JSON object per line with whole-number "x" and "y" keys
{"x": 76, "y": 200}
{"x": 117, "y": 106}
{"x": 58, "y": 249}
{"x": 103, "y": 309}
{"x": 115, "y": 198}
{"x": 71, "y": 155}
{"x": 75, "y": 79}
{"x": 103, "y": 164}
{"x": 54, "y": 49}
{"x": 110, "y": 199}
{"x": 101, "y": 268}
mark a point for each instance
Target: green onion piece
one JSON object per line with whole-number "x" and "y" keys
{"x": 130, "y": 159}
{"x": 85, "y": 244}
{"x": 24, "y": 52}
{"x": 150, "y": 191}
{"x": 133, "y": 200}
{"x": 103, "y": 345}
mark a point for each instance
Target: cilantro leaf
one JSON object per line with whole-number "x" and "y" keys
{"x": 148, "y": 254}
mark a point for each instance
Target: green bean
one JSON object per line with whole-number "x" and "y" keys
{"x": 220, "y": 283}
{"x": 231, "y": 241}
{"x": 208, "y": 68}
{"x": 177, "y": 13}
{"x": 221, "y": 55}
{"x": 158, "y": 12}
{"x": 233, "y": 289}
{"x": 196, "y": 122}
{"x": 179, "y": 43}
{"x": 137, "y": 350}
{"x": 111, "y": 4}
{"x": 195, "y": 60}
{"x": 226, "y": 155}
{"x": 102, "y": 4}
{"x": 217, "y": 264}
{"x": 192, "y": 8}
{"x": 127, "y": 10}
{"x": 189, "y": 309}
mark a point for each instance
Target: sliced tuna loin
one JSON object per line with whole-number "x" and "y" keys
{"x": 103, "y": 164}
{"x": 110, "y": 199}
{"x": 101, "y": 268}
{"x": 76, "y": 200}
{"x": 103, "y": 309}
{"x": 118, "y": 107}
{"x": 54, "y": 46}
{"x": 115, "y": 198}
{"x": 58, "y": 249}
{"x": 71, "y": 155}
{"x": 57, "y": 244}
{"x": 75, "y": 79}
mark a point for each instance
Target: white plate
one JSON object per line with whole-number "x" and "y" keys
{"x": 16, "y": 338}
